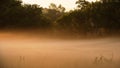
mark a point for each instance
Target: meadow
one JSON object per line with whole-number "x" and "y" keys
{"x": 24, "y": 51}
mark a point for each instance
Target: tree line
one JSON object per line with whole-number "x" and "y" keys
{"x": 97, "y": 18}
{"x": 15, "y": 15}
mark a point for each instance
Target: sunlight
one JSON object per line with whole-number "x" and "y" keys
{"x": 68, "y": 4}
{"x": 59, "y": 34}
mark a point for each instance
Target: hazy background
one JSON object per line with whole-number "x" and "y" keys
{"x": 23, "y": 51}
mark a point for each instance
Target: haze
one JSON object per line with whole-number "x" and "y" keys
{"x": 68, "y": 4}
{"x": 33, "y": 36}
{"x": 23, "y": 51}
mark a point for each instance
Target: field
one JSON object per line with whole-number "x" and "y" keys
{"x": 18, "y": 51}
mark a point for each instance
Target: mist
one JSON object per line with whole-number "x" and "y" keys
{"x": 32, "y": 36}
{"x": 24, "y": 51}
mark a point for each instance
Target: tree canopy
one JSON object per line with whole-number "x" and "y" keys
{"x": 96, "y": 18}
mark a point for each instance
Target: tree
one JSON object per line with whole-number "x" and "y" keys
{"x": 95, "y": 18}
{"x": 106, "y": 1}
{"x": 7, "y": 9}
{"x": 82, "y": 3}
{"x": 61, "y": 8}
{"x": 53, "y": 6}
{"x": 15, "y": 15}
{"x": 53, "y": 12}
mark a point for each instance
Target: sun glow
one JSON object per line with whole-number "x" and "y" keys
{"x": 68, "y": 4}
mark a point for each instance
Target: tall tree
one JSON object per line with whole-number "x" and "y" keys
{"x": 54, "y": 12}
{"x": 61, "y": 8}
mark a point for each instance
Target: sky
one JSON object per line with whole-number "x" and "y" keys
{"x": 68, "y": 4}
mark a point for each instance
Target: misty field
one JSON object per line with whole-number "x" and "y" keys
{"x": 17, "y": 51}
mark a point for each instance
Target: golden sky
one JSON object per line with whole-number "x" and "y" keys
{"x": 68, "y": 4}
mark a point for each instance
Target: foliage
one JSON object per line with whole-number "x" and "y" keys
{"x": 97, "y": 18}
{"x": 53, "y": 12}
{"x": 93, "y": 18}
{"x": 15, "y": 15}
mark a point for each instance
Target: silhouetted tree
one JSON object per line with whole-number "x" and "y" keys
{"x": 93, "y": 18}
{"x": 82, "y": 3}
{"x": 53, "y": 12}
{"x": 15, "y": 15}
